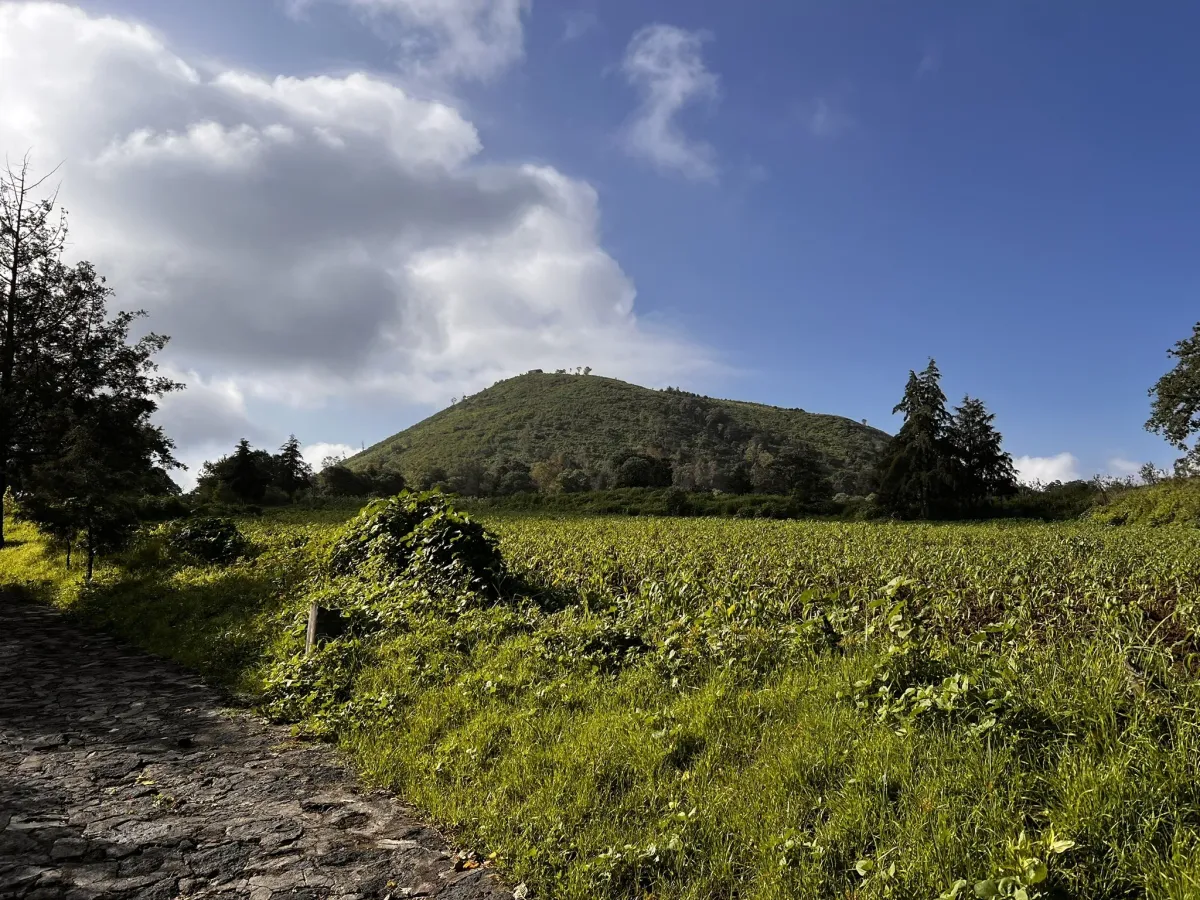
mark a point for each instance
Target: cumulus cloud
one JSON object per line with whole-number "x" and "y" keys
{"x": 664, "y": 64}
{"x": 316, "y": 454}
{"x": 305, "y": 239}
{"x": 445, "y": 39}
{"x": 1045, "y": 469}
{"x": 1123, "y": 467}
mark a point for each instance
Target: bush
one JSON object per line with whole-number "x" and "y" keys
{"x": 423, "y": 531}
{"x": 208, "y": 540}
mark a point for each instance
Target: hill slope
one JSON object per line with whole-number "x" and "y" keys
{"x": 592, "y": 420}
{"x": 1175, "y": 501}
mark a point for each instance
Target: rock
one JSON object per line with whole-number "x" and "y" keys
{"x": 108, "y": 801}
{"x": 68, "y": 848}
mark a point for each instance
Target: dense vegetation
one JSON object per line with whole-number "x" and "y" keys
{"x": 561, "y": 432}
{"x": 1171, "y": 501}
{"x": 77, "y": 443}
{"x": 696, "y": 708}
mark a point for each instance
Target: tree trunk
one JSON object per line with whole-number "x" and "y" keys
{"x": 8, "y": 350}
{"x": 91, "y": 555}
{"x": 68, "y": 555}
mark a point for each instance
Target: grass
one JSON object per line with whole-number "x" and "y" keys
{"x": 701, "y": 708}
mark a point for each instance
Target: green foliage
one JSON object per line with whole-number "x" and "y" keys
{"x": 593, "y": 425}
{"x": 292, "y": 473}
{"x": 1175, "y": 409}
{"x": 70, "y": 376}
{"x": 941, "y": 466}
{"x": 674, "y": 502}
{"x": 208, "y": 540}
{"x": 701, "y": 708}
{"x": 983, "y": 469}
{"x": 1172, "y": 501}
{"x": 917, "y": 473}
{"x": 421, "y": 531}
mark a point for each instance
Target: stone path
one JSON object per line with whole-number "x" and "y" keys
{"x": 122, "y": 776}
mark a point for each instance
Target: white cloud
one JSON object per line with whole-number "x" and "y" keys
{"x": 665, "y": 65}
{"x": 1045, "y": 469}
{"x": 1123, "y": 467}
{"x": 315, "y": 454}
{"x": 308, "y": 239}
{"x": 827, "y": 120}
{"x": 446, "y": 39}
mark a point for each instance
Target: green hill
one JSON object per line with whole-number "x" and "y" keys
{"x": 1174, "y": 501}
{"x": 589, "y": 423}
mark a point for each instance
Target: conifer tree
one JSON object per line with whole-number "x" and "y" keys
{"x": 292, "y": 472}
{"x": 983, "y": 469}
{"x": 916, "y": 473}
{"x": 247, "y": 479}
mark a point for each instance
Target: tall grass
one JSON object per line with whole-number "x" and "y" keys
{"x": 701, "y": 708}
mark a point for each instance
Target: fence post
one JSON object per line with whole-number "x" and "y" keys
{"x": 311, "y": 638}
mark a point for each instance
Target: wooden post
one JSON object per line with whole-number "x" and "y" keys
{"x": 311, "y": 639}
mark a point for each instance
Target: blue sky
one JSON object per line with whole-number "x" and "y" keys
{"x": 809, "y": 199}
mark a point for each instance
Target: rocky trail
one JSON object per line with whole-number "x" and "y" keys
{"x": 123, "y": 776}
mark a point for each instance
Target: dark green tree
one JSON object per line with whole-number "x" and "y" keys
{"x": 1175, "y": 407}
{"x": 59, "y": 350}
{"x": 338, "y": 481}
{"x": 916, "y": 474}
{"x": 248, "y": 477}
{"x": 111, "y": 457}
{"x": 292, "y": 473}
{"x": 982, "y": 467}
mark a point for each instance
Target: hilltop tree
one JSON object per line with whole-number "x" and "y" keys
{"x": 916, "y": 474}
{"x": 1175, "y": 408}
{"x": 983, "y": 469}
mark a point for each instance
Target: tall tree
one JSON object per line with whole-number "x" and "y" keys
{"x": 58, "y": 348}
{"x": 292, "y": 473}
{"x": 1175, "y": 407}
{"x": 983, "y": 468}
{"x": 248, "y": 478}
{"x": 916, "y": 474}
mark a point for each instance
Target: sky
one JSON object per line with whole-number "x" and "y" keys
{"x": 346, "y": 213}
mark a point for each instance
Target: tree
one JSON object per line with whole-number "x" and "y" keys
{"x": 916, "y": 474}
{"x": 58, "y": 348}
{"x": 292, "y": 473}
{"x": 983, "y": 469}
{"x": 1149, "y": 473}
{"x": 1175, "y": 408}
{"x": 248, "y": 477}
{"x": 111, "y": 457}
{"x": 338, "y": 481}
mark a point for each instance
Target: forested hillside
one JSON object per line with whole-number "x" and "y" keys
{"x": 585, "y": 431}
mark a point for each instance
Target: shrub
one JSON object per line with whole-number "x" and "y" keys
{"x": 418, "y": 530}
{"x": 208, "y": 540}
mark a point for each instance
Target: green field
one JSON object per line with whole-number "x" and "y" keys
{"x": 705, "y": 708}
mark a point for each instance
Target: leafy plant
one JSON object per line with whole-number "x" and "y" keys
{"x": 422, "y": 531}
{"x": 208, "y": 540}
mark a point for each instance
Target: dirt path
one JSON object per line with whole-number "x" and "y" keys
{"x": 122, "y": 776}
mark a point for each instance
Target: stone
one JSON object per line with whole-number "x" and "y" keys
{"x": 111, "y": 800}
